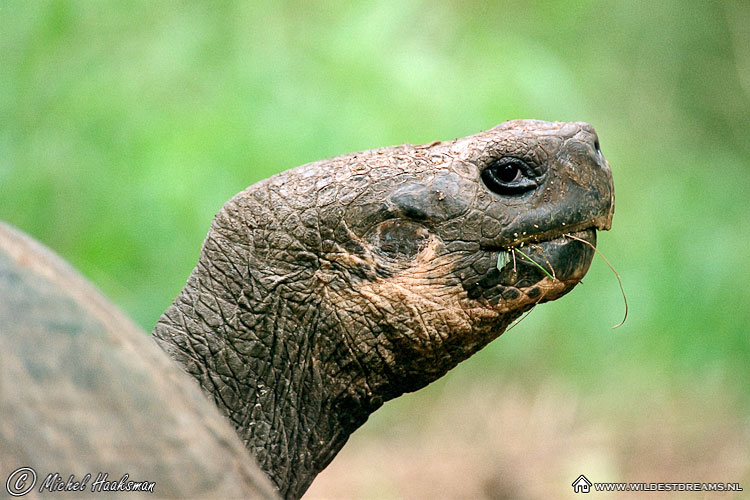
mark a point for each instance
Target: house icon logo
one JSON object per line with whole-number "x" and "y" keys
{"x": 581, "y": 485}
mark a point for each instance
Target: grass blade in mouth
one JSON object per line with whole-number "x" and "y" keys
{"x": 534, "y": 262}
{"x": 503, "y": 257}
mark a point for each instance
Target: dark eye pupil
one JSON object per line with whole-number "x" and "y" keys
{"x": 509, "y": 173}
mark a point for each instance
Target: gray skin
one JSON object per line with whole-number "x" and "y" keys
{"x": 328, "y": 289}
{"x": 320, "y": 293}
{"x": 84, "y": 391}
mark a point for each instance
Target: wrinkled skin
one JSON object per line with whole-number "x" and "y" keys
{"x": 328, "y": 289}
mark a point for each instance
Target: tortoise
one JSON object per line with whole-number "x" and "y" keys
{"x": 319, "y": 294}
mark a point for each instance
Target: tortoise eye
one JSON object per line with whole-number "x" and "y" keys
{"x": 509, "y": 172}
{"x": 508, "y": 176}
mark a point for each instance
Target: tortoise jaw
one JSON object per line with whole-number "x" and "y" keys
{"x": 539, "y": 271}
{"x": 562, "y": 258}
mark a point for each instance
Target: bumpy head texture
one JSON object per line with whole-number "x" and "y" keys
{"x": 326, "y": 290}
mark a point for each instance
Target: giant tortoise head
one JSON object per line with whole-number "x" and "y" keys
{"x": 330, "y": 288}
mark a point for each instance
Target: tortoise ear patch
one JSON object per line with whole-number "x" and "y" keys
{"x": 398, "y": 239}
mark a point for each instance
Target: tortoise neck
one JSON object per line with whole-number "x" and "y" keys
{"x": 272, "y": 366}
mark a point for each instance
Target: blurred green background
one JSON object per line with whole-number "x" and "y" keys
{"x": 124, "y": 126}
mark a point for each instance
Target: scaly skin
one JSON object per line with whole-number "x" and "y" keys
{"x": 328, "y": 289}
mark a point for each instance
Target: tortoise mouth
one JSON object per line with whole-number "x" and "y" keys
{"x": 564, "y": 258}
{"x": 562, "y": 261}
{"x": 540, "y": 270}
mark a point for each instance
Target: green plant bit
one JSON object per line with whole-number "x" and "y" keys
{"x": 535, "y": 263}
{"x": 502, "y": 259}
{"x": 541, "y": 250}
{"x": 619, "y": 281}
